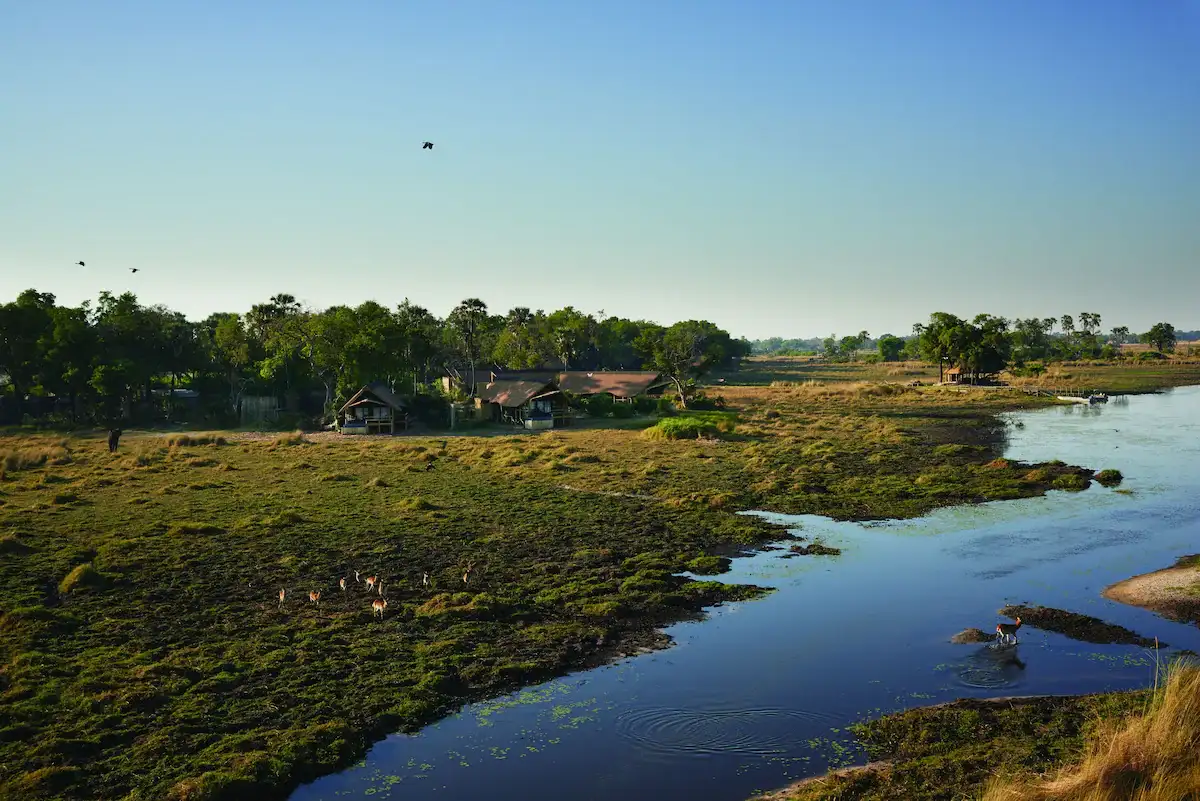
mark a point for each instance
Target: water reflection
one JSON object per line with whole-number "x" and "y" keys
{"x": 991, "y": 667}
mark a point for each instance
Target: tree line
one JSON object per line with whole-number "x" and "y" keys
{"x": 985, "y": 343}
{"x": 108, "y": 358}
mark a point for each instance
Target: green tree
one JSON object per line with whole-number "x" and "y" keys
{"x": 1161, "y": 337}
{"x": 890, "y": 348}
{"x": 68, "y": 354}
{"x": 421, "y": 334}
{"x": 941, "y": 340}
{"x": 25, "y": 326}
{"x": 467, "y": 326}
{"x": 683, "y": 352}
{"x": 230, "y": 351}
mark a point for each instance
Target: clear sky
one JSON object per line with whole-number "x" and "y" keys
{"x": 780, "y": 167}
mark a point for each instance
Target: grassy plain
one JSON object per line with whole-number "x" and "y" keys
{"x": 145, "y": 653}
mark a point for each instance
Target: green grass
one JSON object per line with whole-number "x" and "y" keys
{"x": 168, "y": 668}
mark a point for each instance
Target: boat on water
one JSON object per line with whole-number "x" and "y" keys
{"x": 1099, "y": 397}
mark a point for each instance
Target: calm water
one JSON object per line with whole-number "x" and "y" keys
{"x": 759, "y": 694}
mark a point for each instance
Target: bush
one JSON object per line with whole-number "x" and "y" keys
{"x": 1109, "y": 478}
{"x": 623, "y": 411}
{"x": 598, "y": 405}
{"x": 681, "y": 428}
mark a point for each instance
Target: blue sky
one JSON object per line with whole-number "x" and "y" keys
{"x": 781, "y": 168}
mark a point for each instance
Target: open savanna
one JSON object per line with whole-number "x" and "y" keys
{"x": 145, "y": 655}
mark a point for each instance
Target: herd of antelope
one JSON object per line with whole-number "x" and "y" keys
{"x": 374, "y": 584}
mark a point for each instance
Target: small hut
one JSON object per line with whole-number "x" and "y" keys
{"x": 528, "y": 404}
{"x": 374, "y": 409}
{"x": 954, "y": 375}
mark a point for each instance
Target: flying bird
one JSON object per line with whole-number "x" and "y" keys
{"x": 427, "y": 146}
{"x": 81, "y": 264}
{"x": 133, "y": 269}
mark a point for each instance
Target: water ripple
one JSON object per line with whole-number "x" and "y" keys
{"x": 703, "y": 732}
{"x": 990, "y": 668}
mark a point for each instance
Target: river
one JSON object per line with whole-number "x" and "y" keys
{"x": 760, "y": 693}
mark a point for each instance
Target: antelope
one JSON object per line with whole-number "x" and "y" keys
{"x": 1007, "y": 632}
{"x": 315, "y": 597}
{"x": 425, "y": 580}
{"x": 377, "y": 607}
{"x": 467, "y": 572}
{"x": 371, "y": 582}
{"x": 282, "y": 593}
{"x": 342, "y": 583}
{"x": 356, "y": 578}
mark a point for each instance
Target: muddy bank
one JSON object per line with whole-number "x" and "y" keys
{"x": 1083, "y": 628}
{"x": 1173, "y": 592}
{"x": 972, "y": 635}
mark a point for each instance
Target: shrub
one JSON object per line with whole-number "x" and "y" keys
{"x": 1110, "y": 478}
{"x": 378, "y": 482}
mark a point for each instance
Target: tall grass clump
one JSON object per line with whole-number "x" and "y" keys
{"x": 1149, "y": 756}
{"x": 187, "y": 440}
{"x": 82, "y": 577}
{"x": 1109, "y": 478}
{"x": 12, "y": 460}
{"x": 288, "y": 440}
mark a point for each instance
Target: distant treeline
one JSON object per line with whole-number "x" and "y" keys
{"x": 1013, "y": 341}
{"x": 109, "y": 358}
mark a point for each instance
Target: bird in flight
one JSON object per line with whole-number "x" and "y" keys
{"x": 427, "y": 146}
{"x": 81, "y": 264}
{"x": 133, "y": 269}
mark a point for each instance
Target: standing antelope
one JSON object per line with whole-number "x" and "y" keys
{"x": 315, "y": 597}
{"x": 356, "y": 578}
{"x": 342, "y": 583}
{"x": 467, "y": 572}
{"x": 282, "y": 593}
{"x": 425, "y": 580}
{"x": 1007, "y": 632}
{"x": 371, "y": 582}
{"x": 377, "y": 607}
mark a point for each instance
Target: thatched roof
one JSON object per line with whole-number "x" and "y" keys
{"x": 628, "y": 384}
{"x": 374, "y": 393}
{"x": 511, "y": 394}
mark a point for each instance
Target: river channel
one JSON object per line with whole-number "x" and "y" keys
{"x": 760, "y": 693}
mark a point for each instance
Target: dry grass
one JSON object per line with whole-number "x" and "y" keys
{"x": 1151, "y": 756}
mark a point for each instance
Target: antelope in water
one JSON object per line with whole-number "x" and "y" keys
{"x": 1007, "y": 632}
{"x": 377, "y": 607}
{"x": 315, "y": 597}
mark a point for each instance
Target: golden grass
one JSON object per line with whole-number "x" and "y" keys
{"x": 1149, "y": 756}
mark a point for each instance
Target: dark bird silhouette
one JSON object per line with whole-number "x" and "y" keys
{"x": 133, "y": 269}
{"x": 81, "y": 264}
{"x": 427, "y": 146}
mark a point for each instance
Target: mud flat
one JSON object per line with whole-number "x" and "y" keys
{"x": 1172, "y": 592}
